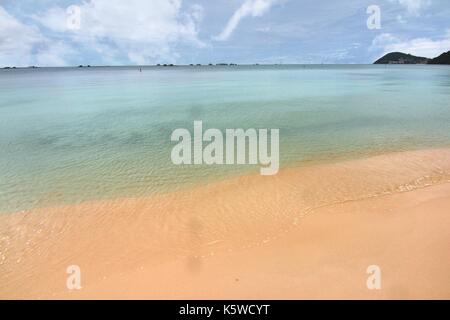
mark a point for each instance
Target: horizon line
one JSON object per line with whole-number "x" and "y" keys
{"x": 166, "y": 65}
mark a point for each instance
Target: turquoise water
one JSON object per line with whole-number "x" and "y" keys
{"x": 70, "y": 135}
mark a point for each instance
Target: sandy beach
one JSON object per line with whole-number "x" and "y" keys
{"x": 251, "y": 150}
{"x": 308, "y": 233}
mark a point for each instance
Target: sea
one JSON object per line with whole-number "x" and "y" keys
{"x": 70, "y": 135}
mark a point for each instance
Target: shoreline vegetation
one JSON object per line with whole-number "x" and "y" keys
{"x": 296, "y": 227}
{"x": 403, "y": 58}
{"x": 390, "y": 58}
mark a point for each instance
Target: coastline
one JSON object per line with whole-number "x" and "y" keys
{"x": 238, "y": 238}
{"x": 326, "y": 258}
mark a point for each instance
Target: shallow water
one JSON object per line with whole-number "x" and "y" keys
{"x": 71, "y": 135}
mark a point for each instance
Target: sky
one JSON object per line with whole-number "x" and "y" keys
{"x": 145, "y": 32}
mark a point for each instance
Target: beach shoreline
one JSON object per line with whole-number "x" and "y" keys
{"x": 305, "y": 233}
{"x": 326, "y": 258}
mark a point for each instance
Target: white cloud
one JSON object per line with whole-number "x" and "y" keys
{"x": 54, "y": 19}
{"x": 423, "y": 47}
{"x": 142, "y": 30}
{"x": 53, "y": 54}
{"x": 254, "y": 8}
{"x": 413, "y": 7}
{"x": 23, "y": 45}
{"x": 16, "y": 40}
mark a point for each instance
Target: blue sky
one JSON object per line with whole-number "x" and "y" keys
{"x": 117, "y": 32}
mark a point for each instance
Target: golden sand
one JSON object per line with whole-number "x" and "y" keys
{"x": 308, "y": 232}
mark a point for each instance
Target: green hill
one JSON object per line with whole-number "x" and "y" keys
{"x": 442, "y": 59}
{"x": 401, "y": 58}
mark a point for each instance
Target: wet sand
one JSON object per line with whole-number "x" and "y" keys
{"x": 309, "y": 232}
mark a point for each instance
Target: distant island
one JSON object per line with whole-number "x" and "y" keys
{"x": 404, "y": 58}
{"x": 390, "y": 58}
{"x": 442, "y": 59}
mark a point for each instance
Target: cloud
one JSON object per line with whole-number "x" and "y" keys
{"x": 413, "y": 7}
{"x": 16, "y": 40}
{"x": 254, "y": 8}
{"x": 23, "y": 45}
{"x": 141, "y": 30}
{"x": 53, "y": 54}
{"x": 423, "y": 47}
